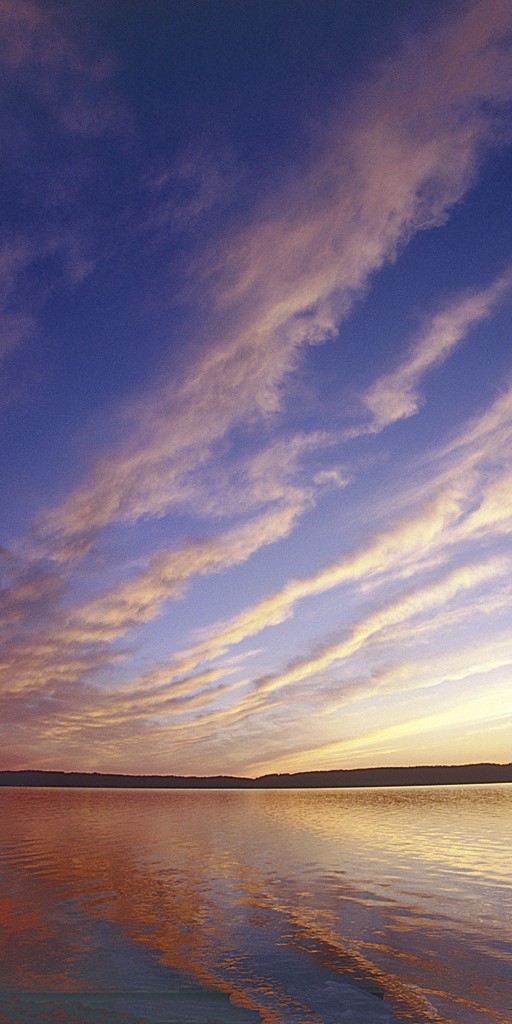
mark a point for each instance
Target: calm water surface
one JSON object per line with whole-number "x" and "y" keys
{"x": 292, "y": 907}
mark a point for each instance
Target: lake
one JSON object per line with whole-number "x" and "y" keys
{"x": 366, "y": 906}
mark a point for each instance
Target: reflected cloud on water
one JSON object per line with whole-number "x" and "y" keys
{"x": 288, "y": 906}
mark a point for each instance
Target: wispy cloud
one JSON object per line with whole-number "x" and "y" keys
{"x": 49, "y": 637}
{"x": 393, "y": 164}
{"x": 38, "y": 50}
{"x": 169, "y": 573}
{"x": 209, "y": 441}
{"x": 371, "y": 744}
{"x": 396, "y": 395}
{"x": 466, "y": 496}
{"x": 415, "y": 545}
{"x": 202, "y": 177}
{"x": 421, "y": 600}
{"x": 46, "y": 239}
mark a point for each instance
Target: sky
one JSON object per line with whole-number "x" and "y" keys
{"x": 256, "y": 387}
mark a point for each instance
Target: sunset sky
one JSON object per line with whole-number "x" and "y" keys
{"x": 256, "y": 389}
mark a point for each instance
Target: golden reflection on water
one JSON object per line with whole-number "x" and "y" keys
{"x": 244, "y": 890}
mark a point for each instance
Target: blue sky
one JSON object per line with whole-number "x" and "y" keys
{"x": 256, "y": 399}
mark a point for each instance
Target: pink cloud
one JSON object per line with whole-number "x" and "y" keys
{"x": 392, "y": 164}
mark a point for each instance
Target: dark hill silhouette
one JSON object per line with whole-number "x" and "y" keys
{"x": 343, "y": 778}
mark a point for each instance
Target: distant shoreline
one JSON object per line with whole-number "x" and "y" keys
{"x": 343, "y": 778}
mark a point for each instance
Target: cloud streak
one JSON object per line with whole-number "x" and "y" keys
{"x": 463, "y": 501}
{"x": 396, "y": 395}
{"x": 393, "y": 164}
{"x": 219, "y": 464}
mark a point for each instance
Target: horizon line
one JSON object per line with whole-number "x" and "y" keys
{"x": 425, "y": 774}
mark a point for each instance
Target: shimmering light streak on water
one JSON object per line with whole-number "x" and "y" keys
{"x": 350, "y": 907}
